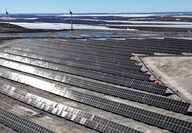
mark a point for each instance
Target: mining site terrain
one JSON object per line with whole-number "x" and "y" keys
{"x": 94, "y": 80}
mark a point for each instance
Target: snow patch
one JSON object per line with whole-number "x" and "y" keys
{"x": 151, "y": 22}
{"x": 160, "y": 26}
{"x": 117, "y": 15}
{"x": 140, "y": 22}
{"x": 11, "y": 18}
{"x": 183, "y": 16}
{"x": 58, "y": 26}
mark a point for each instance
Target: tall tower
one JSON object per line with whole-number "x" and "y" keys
{"x": 7, "y": 14}
{"x": 71, "y": 19}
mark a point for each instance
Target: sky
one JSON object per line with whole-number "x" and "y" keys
{"x": 94, "y": 6}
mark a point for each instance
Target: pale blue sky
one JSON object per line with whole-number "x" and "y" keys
{"x": 93, "y": 6}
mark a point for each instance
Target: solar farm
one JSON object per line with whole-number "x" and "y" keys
{"x": 80, "y": 84}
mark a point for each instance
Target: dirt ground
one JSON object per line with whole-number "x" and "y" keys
{"x": 174, "y": 71}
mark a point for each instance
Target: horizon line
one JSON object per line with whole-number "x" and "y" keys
{"x": 110, "y": 12}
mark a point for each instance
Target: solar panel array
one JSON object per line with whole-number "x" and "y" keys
{"x": 133, "y": 83}
{"x": 152, "y": 118}
{"x": 64, "y": 68}
{"x": 20, "y": 124}
{"x": 141, "y": 97}
{"x": 97, "y": 66}
{"x": 67, "y": 112}
{"x": 80, "y": 62}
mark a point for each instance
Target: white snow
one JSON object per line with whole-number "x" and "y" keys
{"x": 28, "y": 18}
{"x": 12, "y": 18}
{"x": 58, "y": 26}
{"x": 90, "y": 19}
{"x": 152, "y": 22}
{"x": 120, "y": 15}
{"x": 162, "y": 26}
{"x": 183, "y": 16}
{"x": 140, "y": 22}
{"x": 131, "y": 29}
{"x": 141, "y": 19}
{"x": 6, "y": 18}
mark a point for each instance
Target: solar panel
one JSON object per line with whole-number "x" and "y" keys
{"x": 167, "y": 103}
{"x": 148, "y": 86}
{"x": 176, "y": 125}
{"x": 20, "y": 124}
{"x": 67, "y": 112}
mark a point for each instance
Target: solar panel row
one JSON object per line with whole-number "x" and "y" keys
{"x": 115, "y": 70}
{"x": 20, "y": 124}
{"x": 137, "y": 84}
{"x": 78, "y": 51}
{"x": 73, "y": 65}
{"x": 143, "y": 52}
{"x": 166, "y": 43}
{"x": 142, "y": 43}
{"x": 80, "y": 58}
{"x": 85, "y": 50}
{"x": 67, "y": 112}
{"x": 119, "y": 53}
{"x": 153, "y": 100}
{"x": 84, "y": 56}
{"x": 176, "y": 46}
{"x": 152, "y": 118}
